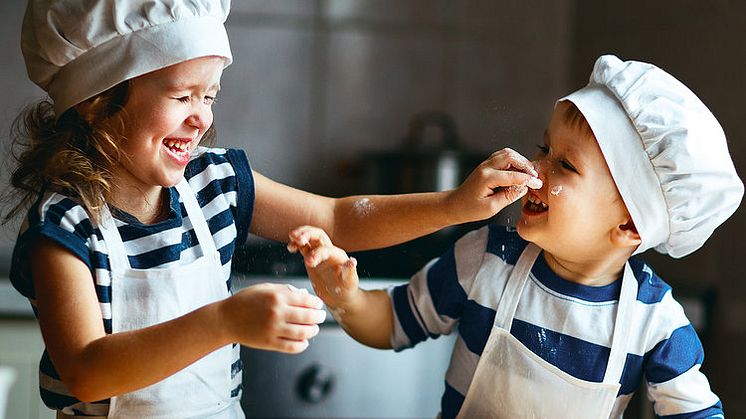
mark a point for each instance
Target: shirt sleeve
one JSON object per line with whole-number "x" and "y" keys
{"x": 245, "y": 193}
{"x": 433, "y": 300}
{"x": 60, "y": 220}
{"x": 675, "y": 383}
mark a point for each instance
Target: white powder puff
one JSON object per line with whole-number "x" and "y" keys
{"x": 363, "y": 207}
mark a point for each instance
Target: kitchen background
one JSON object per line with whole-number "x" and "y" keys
{"x": 319, "y": 88}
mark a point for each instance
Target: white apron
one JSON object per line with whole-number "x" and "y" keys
{"x": 144, "y": 297}
{"x": 510, "y": 381}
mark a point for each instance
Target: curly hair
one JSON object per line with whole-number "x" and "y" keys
{"x": 73, "y": 155}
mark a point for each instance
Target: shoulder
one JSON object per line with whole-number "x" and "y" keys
{"x": 60, "y": 219}
{"x": 651, "y": 288}
{"x": 657, "y": 310}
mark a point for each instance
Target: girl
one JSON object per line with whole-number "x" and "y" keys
{"x": 126, "y": 247}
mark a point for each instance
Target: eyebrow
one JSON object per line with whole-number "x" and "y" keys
{"x": 184, "y": 86}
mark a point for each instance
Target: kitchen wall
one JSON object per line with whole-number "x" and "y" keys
{"x": 701, "y": 43}
{"x": 316, "y": 83}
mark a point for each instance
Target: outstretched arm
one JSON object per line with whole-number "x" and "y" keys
{"x": 368, "y": 222}
{"x": 365, "y": 315}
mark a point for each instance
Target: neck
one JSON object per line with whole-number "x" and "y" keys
{"x": 592, "y": 272}
{"x": 146, "y": 205}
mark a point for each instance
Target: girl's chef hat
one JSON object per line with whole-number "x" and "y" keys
{"x": 75, "y": 49}
{"x": 666, "y": 152}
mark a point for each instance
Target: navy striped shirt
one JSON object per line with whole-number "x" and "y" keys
{"x": 567, "y": 324}
{"x": 225, "y": 193}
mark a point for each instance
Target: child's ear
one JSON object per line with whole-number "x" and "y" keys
{"x": 626, "y": 235}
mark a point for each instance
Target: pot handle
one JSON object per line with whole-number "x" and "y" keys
{"x": 422, "y": 120}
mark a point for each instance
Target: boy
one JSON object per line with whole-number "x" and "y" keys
{"x": 557, "y": 320}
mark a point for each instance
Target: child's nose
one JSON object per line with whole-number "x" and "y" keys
{"x": 200, "y": 120}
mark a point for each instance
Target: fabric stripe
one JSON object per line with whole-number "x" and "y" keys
{"x": 451, "y": 401}
{"x": 675, "y": 355}
{"x": 576, "y": 357}
{"x": 405, "y": 315}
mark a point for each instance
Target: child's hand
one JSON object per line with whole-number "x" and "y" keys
{"x": 331, "y": 271}
{"x": 496, "y": 183}
{"x": 273, "y": 316}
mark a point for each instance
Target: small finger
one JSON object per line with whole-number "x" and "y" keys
{"x": 304, "y": 299}
{"x": 324, "y": 254}
{"x": 306, "y": 235}
{"x": 507, "y": 158}
{"x": 307, "y": 316}
{"x": 291, "y": 346}
{"x": 299, "y": 332}
{"x": 349, "y": 271}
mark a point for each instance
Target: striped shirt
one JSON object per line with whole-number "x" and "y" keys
{"x": 225, "y": 192}
{"x": 567, "y": 324}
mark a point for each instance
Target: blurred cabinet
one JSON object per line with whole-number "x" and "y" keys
{"x": 21, "y": 346}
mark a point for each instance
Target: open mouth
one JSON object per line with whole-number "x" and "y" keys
{"x": 534, "y": 205}
{"x": 178, "y": 148}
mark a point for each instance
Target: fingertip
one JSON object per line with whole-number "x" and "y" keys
{"x": 535, "y": 183}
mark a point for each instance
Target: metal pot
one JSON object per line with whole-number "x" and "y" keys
{"x": 431, "y": 159}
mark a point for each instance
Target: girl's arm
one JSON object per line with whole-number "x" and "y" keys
{"x": 96, "y": 366}
{"x": 367, "y": 222}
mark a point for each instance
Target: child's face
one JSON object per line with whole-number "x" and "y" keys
{"x": 573, "y": 215}
{"x": 167, "y": 113}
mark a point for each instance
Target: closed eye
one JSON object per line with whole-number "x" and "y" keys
{"x": 543, "y": 148}
{"x": 568, "y": 166}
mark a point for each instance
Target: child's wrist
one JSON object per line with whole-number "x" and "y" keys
{"x": 449, "y": 204}
{"x": 349, "y": 305}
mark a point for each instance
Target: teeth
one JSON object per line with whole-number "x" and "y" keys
{"x": 536, "y": 201}
{"x": 174, "y": 144}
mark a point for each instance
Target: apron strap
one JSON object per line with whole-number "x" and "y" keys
{"x": 196, "y": 217}
{"x": 114, "y": 245}
{"x": 514, "y": 287}
{"x": 622, "y": 324}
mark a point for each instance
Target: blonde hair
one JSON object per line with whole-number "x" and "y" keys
{"x": 72, "y": 155}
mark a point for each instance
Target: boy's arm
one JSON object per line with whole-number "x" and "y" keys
{"x": 367, "y": 222}
{"x": 364, "y": 315}
{"x": 675, "y": 383}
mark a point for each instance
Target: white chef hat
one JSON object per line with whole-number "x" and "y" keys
{"x": 666, "y": 152}
{"x": 75, "y": 49}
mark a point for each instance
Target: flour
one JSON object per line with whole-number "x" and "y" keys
{"x": 363, "y": 207}
{"x": 556, "y": 190}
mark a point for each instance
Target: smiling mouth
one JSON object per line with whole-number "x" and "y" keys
{"x": 177, "y": 146}
{"x": 535, "y": 205}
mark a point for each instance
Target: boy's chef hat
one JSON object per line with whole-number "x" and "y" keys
{"x": 666, "y": 152}
{"x": 75, "y": 49}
